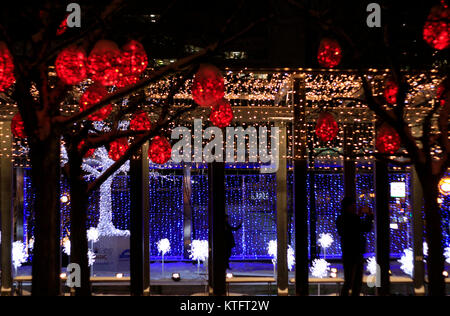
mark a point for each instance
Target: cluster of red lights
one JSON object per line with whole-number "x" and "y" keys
{"x": 71, "y": 65}
{"x": 93, "y": 95}
{"x": 390, "y": 92}
{"x": 388, "y": 141}
{"x": 17, "y": 126}
{"x": 221, "y": 114}
{"x": 117, "y": 148}
{"x": 140, "y": 122}
{"x": 160, "y": 150}
{"x": 326, "y": 128}
{"x": 330, "y": 53}
{"x": 6, "y": 67}
{"x": 436, "y": 31}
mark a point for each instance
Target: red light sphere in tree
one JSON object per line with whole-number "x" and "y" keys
{"x": 440, "y": 95}
{"x": 390, "y": 92}
{"x": 208, "y": 86}
{"x": 18, "y": 127}
{"x": 436, "y": 31}
{"x": 6, "y": 67}
{"x": 71, "y": 65}
{"x": 88, "y": 153}
{"x": 388, "y": 141}
{"x": 133, "y": 63}
{"x": 326, "y": 128}
{"x": 118, "y": 148}
{"x": 140, "y": 122}
{"x": 160, "y": 150}
{"x": 104, "y": 63}
{"x": 330, "y": 53}
{"x": 92, "y": 96}
{"x": 221, "y": 114}
{"x": 62, "y": 28}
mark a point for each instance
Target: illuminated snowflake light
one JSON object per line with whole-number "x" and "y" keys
{"x": 163, "y": 246}
{"x": 447, "y": 254}
{"x": 372, "y": 265}
{"x": 199, "y": 250}
{"x": 407, "y": 262}
{"x": 320, "y": 268}
{"x": 272, "y": 250}
{"x": 325, "y": 240}
{"x": 19, "y": 254}
{"x": 66, "y": 246}
{"x": 291, "y": 258}
{"x": 91, "y": 257}
{"x": 92, "y": 234}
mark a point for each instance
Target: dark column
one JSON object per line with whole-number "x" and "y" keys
{"x": 6, "y": 209}
{"x": 146, "y": 218}
{"x": 136, "y": 226}
{"x": 187, "y": 208}
{"x": 300, "y": 194}
{"x": 282, "y": 226}
{"x": 18, "y": 203}
{"x": 216, "y": 217}
{"x": 382, "y": 230}
{"x": 417, "y": 206}
{"x": 349, "y": 163}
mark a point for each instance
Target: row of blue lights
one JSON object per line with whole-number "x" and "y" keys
{"x": 251, "y": 200}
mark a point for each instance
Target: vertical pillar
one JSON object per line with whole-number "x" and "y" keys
{"x": 18, "y": 203}
{"x": 349, "y": 164}
{"x": 382, "y": 230}
{"x": 417, "y": 205}
{"x": 300, "y": 194}
{"x": 146, "y": 217}
{"x": 187, "y": 209}
{"x": 314, "y": 251}
{"x": 282, "y": 216}
{"x": 216, "y": 218}
{"x": 136, "y": 225}
{"x": 6, "y": 207}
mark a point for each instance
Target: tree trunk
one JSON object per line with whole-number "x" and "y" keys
{"x": 78, "y": 231}
{"x": 45, "y": 160}
{"x": 433, "y": 231}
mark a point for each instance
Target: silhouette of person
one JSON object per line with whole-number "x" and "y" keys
{"x": 229, "y": 239}
{"x": 352, "y": 225}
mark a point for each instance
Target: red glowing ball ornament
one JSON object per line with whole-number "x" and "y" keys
{"x": 330, "y": 53}
{"x": 89, "y": 152}
{"x": 92, "y": 96}
{"x": 71, "y": 65}
{"x": 6, "y": 67}
{"x": 440, "y": 95}
{"x": 18, "y": 127}
{"x": 118, "y": 148}
{"x": 221, "y": 114}
{"x": 140, "y": 122}
{"x": 160, "y": 150}
{"x": 436, "y": 31}
{"x": 104, "y": 63}
{"x": 133, "y": 63}
{"x": 326, "y": 128}
{"x": 208, "y": 86}
{"x": 388, "y": 141}
{"x": 390, "y": 92}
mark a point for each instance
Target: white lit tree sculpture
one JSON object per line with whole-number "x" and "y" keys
{"x": 199, "y": 252}
{"x": 163, "y": 248}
